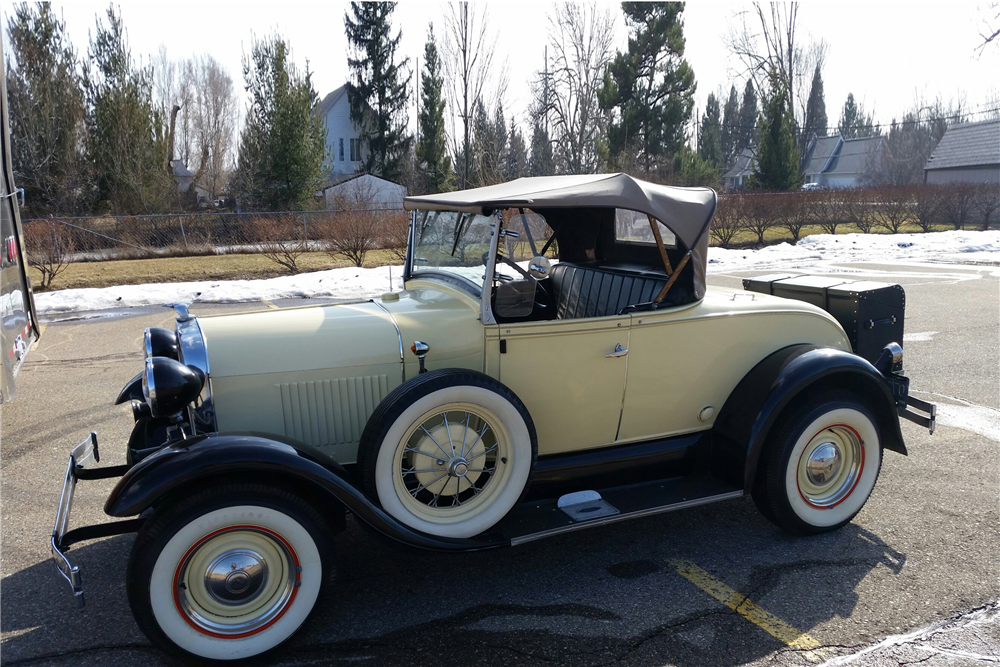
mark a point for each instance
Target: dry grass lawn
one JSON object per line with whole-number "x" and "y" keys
{"x": 208, "y": 267}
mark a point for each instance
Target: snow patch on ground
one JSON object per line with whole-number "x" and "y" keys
{"x": 975, "y": 418}
{"x": 919, "y": 337}
{"x": 352, "y": 283}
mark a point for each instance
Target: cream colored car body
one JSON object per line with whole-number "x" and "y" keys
{"x": 317, "y": 373}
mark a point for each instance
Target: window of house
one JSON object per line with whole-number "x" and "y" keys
{"x": 355, "y": 150}
{"x": 341, "y": 149}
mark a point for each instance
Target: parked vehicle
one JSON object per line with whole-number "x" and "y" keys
{"x": 811, "y": 186}
{"x": 18, "y": 327}
{"x": 568, "y": 367}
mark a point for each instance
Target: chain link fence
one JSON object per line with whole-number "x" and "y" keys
{"x": 83, "y": 239}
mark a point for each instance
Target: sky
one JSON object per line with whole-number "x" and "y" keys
{"x": 888, "y": 54}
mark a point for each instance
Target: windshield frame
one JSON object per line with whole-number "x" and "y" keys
{"x": 412, "y": 272}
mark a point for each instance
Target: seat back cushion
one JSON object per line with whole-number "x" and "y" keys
{"x": 583, "y": 291}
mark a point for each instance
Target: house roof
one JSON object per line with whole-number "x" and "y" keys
{"x": 327, "y": 102}
{"x": 744, "y": 166}
{"x": 854, "y": 156}
{"x": 180, "y": 169}
{"x": 822, "y": 152}
{"x": 968, "y": 145}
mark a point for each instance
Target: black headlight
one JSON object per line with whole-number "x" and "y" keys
{"x": 169, "y": 386}
{"x": 160, "y": 342}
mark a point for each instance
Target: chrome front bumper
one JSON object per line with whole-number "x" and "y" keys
{"x": 81, "y": 467}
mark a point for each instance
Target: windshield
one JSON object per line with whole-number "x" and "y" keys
{"x": 452, "y": 242}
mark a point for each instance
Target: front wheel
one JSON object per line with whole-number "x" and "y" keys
{"x": 228, "y": 573}
{"x": 820, "y": 466}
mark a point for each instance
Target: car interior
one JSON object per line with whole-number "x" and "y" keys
{"x": 609, "y": 263}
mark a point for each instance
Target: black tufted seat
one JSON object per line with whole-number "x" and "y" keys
{"x": 583, "y": 291}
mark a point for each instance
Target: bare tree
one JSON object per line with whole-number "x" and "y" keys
{"x": 765, "y": 38}
{"x": 990, "y": 30}
{"x": 214, "y": 122}
{"x": 470, "y": 48}
{"x": 729, "y": 219}
{"x": 926, "y": 201}
{"x": 281, "y": 238}
{"x": 355, "y": 230}
{"x": 986, "y": 201}
{"x": 761, "y": 214}
{"x": 48, "y": 246}
{"x": 894, "y": 208}
{"x": 582, "y": 40}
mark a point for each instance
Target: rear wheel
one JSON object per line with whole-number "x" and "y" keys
{"x": 229, "y": 573}
{"x": 820, "y": 465}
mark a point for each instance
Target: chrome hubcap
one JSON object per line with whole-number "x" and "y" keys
{"x": 236, "y": 576}
{"x": 458, "y": 467}
{"x": 823, "y": 463}
{"x": 236, "y": 581}
{"x": 830, "y": 465}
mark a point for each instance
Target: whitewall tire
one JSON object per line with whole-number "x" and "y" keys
{"x": 228, "y": 575}
{"x": 820, "y": 465}
{"x": 448, "y": 454}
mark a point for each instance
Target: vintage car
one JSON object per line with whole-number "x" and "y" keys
{"x": 555, "y": 362}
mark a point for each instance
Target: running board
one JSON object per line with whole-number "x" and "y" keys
{"x": 575, "y": 511}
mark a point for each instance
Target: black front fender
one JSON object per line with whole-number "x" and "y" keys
{"x": 207, "y": 459}
{"x": 756, "y": 403}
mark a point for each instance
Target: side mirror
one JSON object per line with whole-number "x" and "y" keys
{"x": 539, "y": 267}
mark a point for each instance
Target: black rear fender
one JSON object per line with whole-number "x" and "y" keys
{"x": 220, "y": 457}
{"x": 792, "y": 374}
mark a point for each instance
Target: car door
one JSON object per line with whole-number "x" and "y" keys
{"x": 563, "y": 373}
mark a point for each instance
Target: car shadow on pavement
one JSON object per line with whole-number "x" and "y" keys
{"x": 606, "y": 596}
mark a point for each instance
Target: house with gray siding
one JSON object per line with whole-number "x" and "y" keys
{"x": 968, "y": 153}
{"x": 345, "y": 151}
{"x": 746, "y": 163}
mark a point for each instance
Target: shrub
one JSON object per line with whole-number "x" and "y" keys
{"x": 352, "y": 234}
{"x": 986, "y": 201}
{"x": 926, "y": 201}
{"x": 761, "y": 214}
{"x": 957, "y": 204}
{"x": 48, "y": 247}
{"x": 280, "y": 238}
{"x": 729, "y": 219}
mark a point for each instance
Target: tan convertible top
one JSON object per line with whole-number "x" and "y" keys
{"x": 686, "y": 211}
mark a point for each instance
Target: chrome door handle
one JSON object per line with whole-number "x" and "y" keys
{"x": 619, "y": 352}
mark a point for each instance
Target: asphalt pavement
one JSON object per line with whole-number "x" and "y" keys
{"x": 914, "y": 578}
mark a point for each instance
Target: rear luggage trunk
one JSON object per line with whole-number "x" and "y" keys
{"x": 871, "y": 313}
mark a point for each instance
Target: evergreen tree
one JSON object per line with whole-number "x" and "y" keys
{"x": 377, "y": 91}
{"x": 433, "y": 161}
{"x": 540, "y": 160}
{"x": 730, "y": 126}
{"x": 815, "y": 122}
{"x": 126, "y": 138}
{"x": 748, "y": 119}
{"x": 854, "y": 122}
{"x": 710, "y": 133}
{"x": 45, "y": 96}
{"x": 650, "y": 86}
{"x": 516, "y": 162}
{"x": 283, "y": 143}
{"x": 777, "y": 156}
{"x": 691, "y": 170}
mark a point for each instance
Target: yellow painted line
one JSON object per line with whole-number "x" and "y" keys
{"x": 746, "y": 608}
{"x": 268, "y": 304}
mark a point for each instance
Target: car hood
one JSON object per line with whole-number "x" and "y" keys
{"x": 357, "y": 334}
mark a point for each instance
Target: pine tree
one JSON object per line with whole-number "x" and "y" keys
{"x": 854, "y": 122}
{"x": 748, "y": 118}
{"x": 540, "y": 160}
{"x": 815, "y": 122}
{"x": 377, "y": 91}
{"x": 433, "y": 161}
{"x": 710, "y": 133}
{"x": 126, "y": 138}
{"x": 283, "y": 143}
{"x": 45, "y": 96}
{"x": 516, "y": 159}
{"x": 777, "y": 155}
{"x": 730, "y": 126}
{"x": 651, "y": 86}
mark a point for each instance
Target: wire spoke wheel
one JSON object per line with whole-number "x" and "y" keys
{"x": 451, "y": 461}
